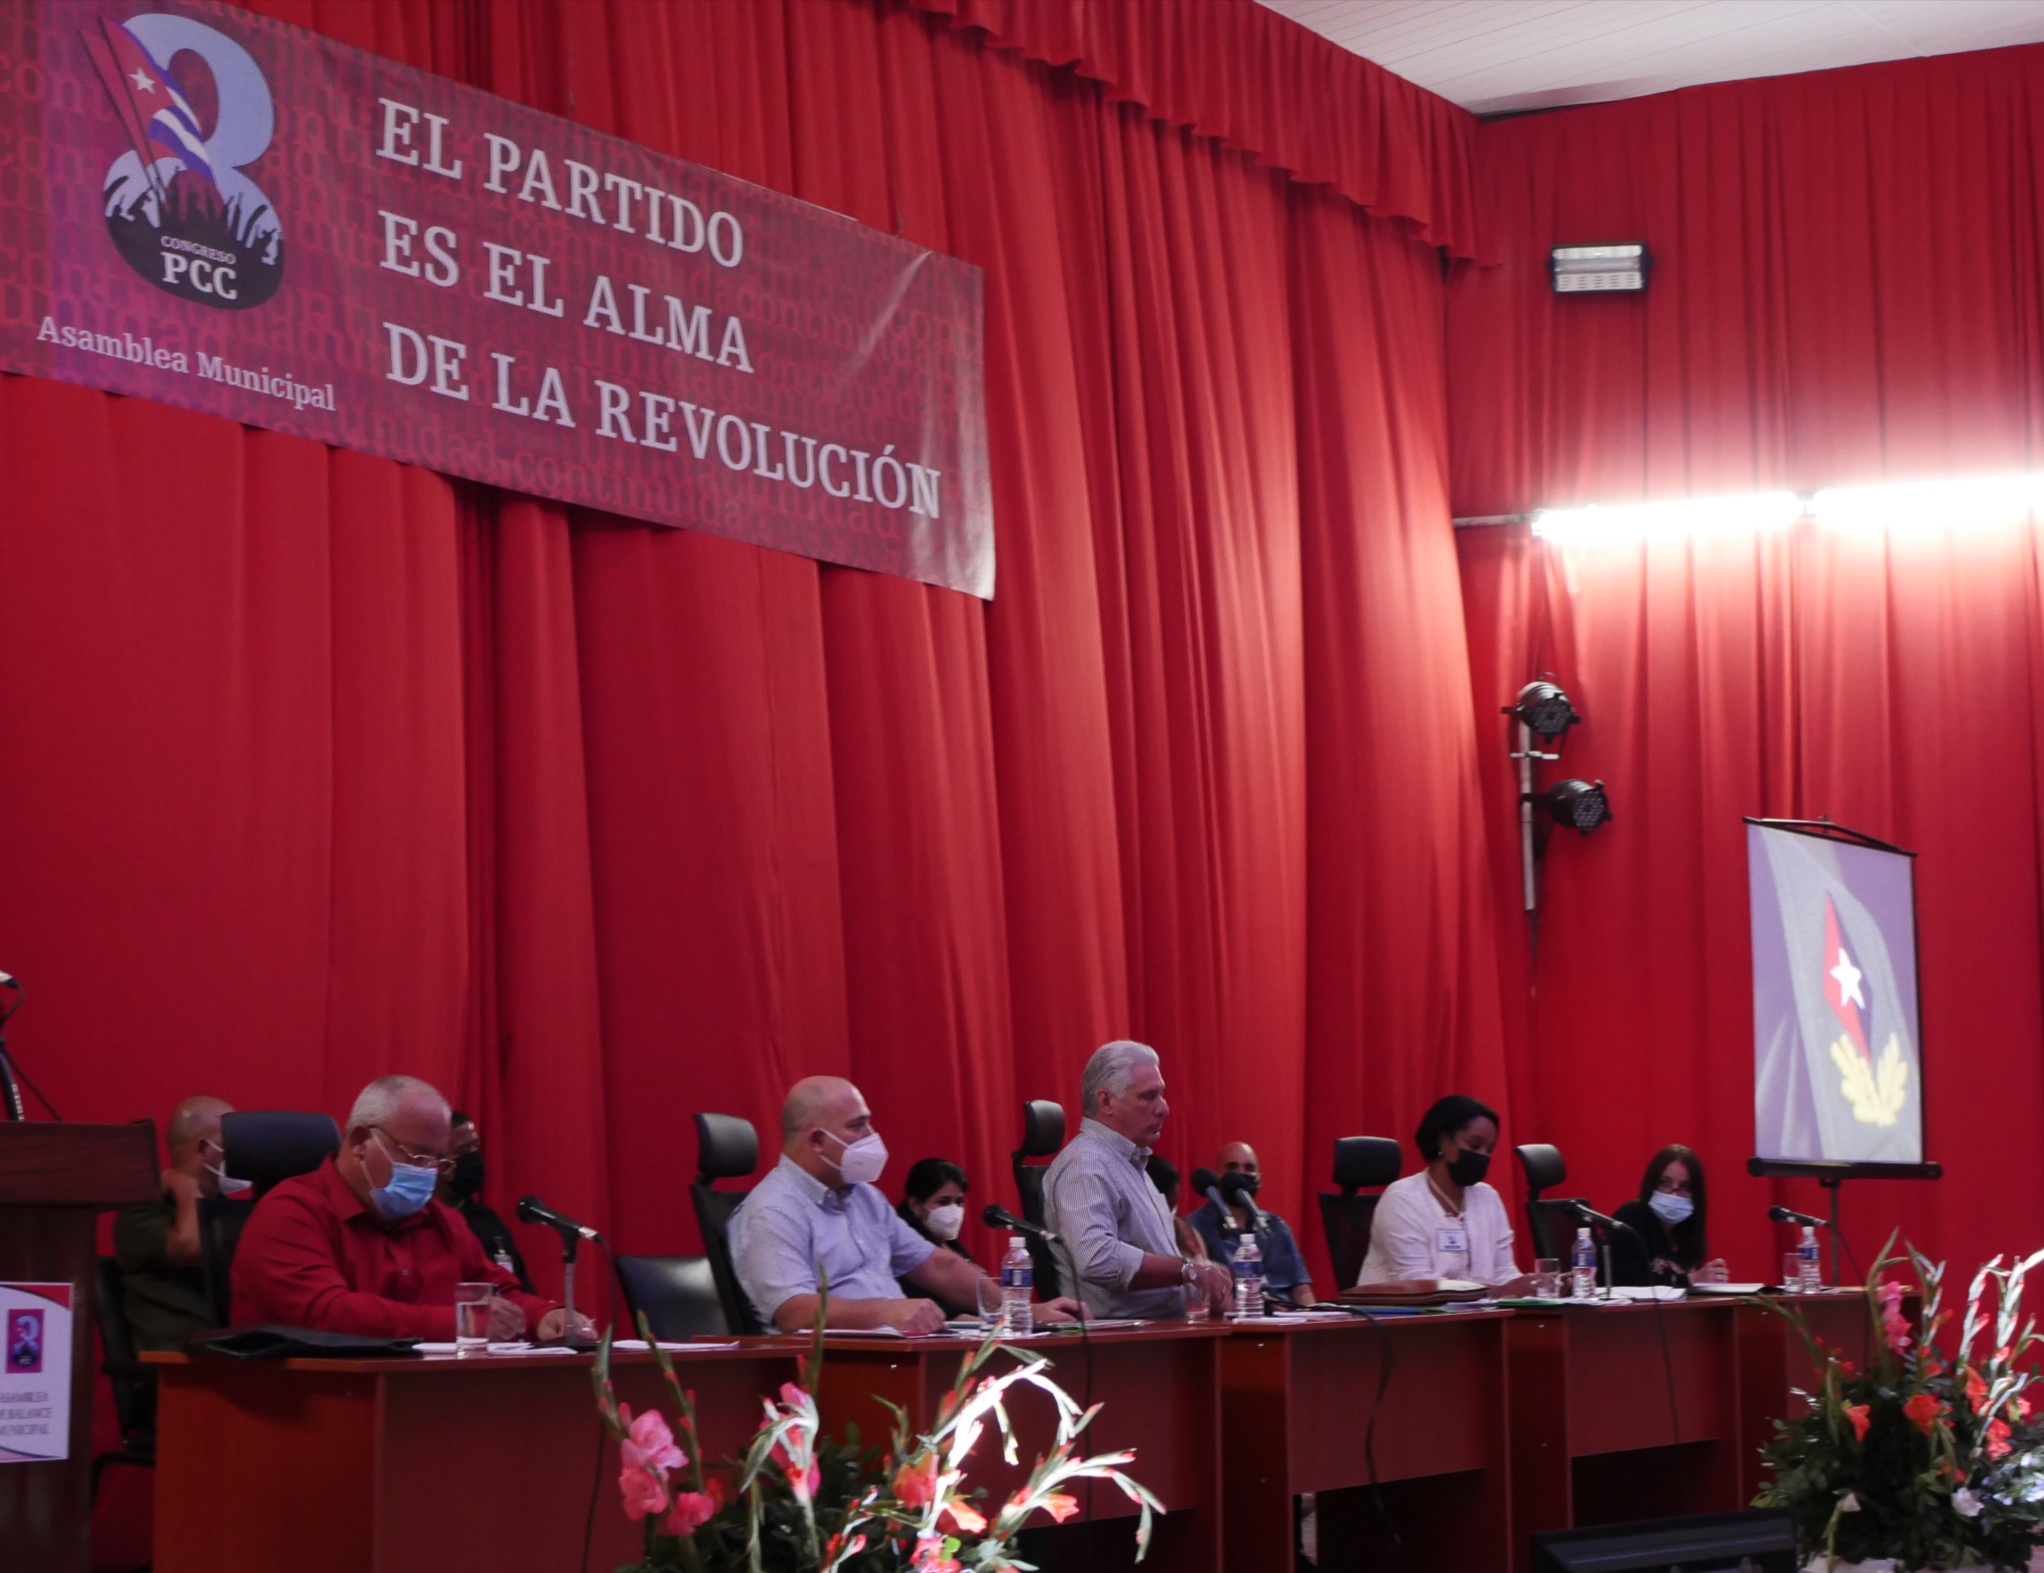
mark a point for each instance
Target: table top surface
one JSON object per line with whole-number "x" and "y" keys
{"x": 1050, "y": 1343}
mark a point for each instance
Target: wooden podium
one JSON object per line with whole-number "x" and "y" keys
{"x": 54, "y": 1181}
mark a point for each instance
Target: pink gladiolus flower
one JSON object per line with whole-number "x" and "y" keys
{"x": 793, "y": 1396}
{"x": 692, "y": 1510}
{"x": 930, "y": 1558}
{"x": 1997, "y": 1439}
{"x": 650, "y": 1446}
{"x": 643, "y": 1492}
{"x": 1861, "y": 1417}
{"x": 1059, "y": 1506}
{"x": 1976, "y": 1390}
{"x": 1893, "y": 1323}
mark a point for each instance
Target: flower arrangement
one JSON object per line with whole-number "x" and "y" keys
{"x": 1931, "y": 1457}
{"x": 801, "y": 1502}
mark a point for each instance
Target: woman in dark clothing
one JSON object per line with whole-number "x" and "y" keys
{"x": 933, "y": 1204}
{"x": 1667, "y": 1242}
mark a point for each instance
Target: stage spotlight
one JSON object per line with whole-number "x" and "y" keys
{"x": 1580, "y": 805}
{"x": 1544, "y": 710}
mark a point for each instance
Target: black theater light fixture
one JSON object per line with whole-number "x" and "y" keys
{"x": 1581, "y": 270}
{"x": 1577, "y": 805}
{"x": 1544, "y": 710}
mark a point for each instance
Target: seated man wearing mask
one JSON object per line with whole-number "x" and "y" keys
{"x": 820, "y": 1204}
{"x": 156, "y": 1244}
{"x": 461, "y": 1187}
{"x": 1284, "y": 1269}
{"x": 360, "y": 1246}
{"x": 1119, "y": 1239}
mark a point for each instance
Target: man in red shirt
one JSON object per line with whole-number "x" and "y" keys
{"x": 360, "y": 1246}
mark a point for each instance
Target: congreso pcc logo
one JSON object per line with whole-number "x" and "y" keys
{"x": 178, "y": 206}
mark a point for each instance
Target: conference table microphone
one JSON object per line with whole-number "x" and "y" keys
{"x": 1208, "y": 1184}
{"x": 1790, "y": 1215}
{"x": 1241, "y": 1192}
{"x": 533, "y": 1210}
{"x": 998, "y": 1217}
{"x": 1585, "y": 1213}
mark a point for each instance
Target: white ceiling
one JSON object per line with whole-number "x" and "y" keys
{"x": 1498, "y": 56}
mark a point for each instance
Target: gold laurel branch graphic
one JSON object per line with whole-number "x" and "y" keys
{"x": 1876, "y": 1092}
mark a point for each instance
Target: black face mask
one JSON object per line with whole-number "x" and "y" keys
{"x": 1469, "y": 1167}
{"x": 465, "y": 1179}
{"x": 1238, "y": 1181}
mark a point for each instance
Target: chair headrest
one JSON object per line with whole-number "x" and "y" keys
{"x": 727, "y": 1147}
{"x": 1364, "y": 1161}
{"x": 264, "y": 1146}
{"x": 1043, "y": 1128}
{"x": 1542, "y": 1165}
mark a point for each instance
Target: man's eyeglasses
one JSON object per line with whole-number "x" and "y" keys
{"x": 422, "y": 1160}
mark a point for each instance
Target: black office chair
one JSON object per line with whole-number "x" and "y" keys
{"x": 1549, "y": 1224}
{"x": 1360, "y": 1163}
{"x": 727, "y": 1148}
{"x": 1043, "y": 1133}
{"x": 677, "y": 1295}
{"x": 133, "y": 1383}
{"x": 262, "y": 1146}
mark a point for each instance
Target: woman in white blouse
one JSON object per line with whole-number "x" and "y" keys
{"x": 1444, "y": 1222}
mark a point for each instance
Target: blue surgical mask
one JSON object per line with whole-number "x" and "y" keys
{"x": 1670, "y": 1208}
{"x": 410, "y": 1188}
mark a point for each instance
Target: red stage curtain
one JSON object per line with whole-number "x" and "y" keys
{"x": 1238, "y": 71}
{"x": 324, "y": 766}
{"x": 1845, "y": 289}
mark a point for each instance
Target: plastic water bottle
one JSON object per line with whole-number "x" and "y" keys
{"x": 1812, "y": 1268}
{"x": 1018, "y": 1284}
{"x": 1248, "y": 1277}
{"x": 1583, "y": 1261}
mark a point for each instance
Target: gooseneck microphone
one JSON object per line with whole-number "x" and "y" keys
{"x": 11, "y": 1106}
{"x": 1790, "y": 1215}
{"x": 1585, "y": 1213}
{"x": 1239, "y": 1191}
{"x": 1208, "y": 1184}
{"x": 533, "y": 1210}
{"x": 998, "y": 1217}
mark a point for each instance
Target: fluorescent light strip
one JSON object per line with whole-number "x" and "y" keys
{"x": 1690, "y": 518}
{"x": 1974, "y": 502}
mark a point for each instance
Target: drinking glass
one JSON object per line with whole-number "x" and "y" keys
{"x": 1197, "y": 1307}
{"x": 472, "y": 1318}
{"x": 1547, "y": 1278}
{"x": 992, "y": 1313}
{"x": 1791, "y": 1272}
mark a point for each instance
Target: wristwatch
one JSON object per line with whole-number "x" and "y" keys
{"x": 1187, "y": 1272}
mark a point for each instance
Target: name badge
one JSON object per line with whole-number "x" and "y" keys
{"x": 1451, "y": 1240}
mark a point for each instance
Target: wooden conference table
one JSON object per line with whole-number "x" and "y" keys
{"x": 1478, "y": 1428}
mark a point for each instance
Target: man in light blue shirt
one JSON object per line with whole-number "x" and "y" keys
{"x": 1119, "y": 1241}
{"x": 819, "y": 1213}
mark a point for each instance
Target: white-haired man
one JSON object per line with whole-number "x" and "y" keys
{"x": 818, "y": 1213}
{"x": 1097, "y": 1196}
{"x": 360, "y": 1246}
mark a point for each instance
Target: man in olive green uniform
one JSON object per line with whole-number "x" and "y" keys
{"x": 156, "y": 1244}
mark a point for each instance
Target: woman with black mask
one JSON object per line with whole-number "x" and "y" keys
{"x": 1444, "y": 1222}
{"x": 1666, "y": 1241}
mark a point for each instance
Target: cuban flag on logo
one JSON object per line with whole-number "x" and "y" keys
{"x": 1844, "y": 983}
{"x": 151, "y": 104}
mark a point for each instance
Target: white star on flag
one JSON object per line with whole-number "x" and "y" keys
{"x": 1848, "y": 977}
{"x": 144, "y": 83}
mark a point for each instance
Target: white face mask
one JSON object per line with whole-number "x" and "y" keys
{"x": 945, "y": 1222}
{"x": 863, "y": 1159}
{"x": 229, "y": 1185}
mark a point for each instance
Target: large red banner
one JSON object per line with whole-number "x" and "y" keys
{"x": 228, "y": 213}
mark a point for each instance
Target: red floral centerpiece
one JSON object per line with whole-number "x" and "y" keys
{"x": 802, "y": 1502}
{"x": 1929, "y": 1458}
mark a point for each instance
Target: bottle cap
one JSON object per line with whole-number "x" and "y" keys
{"x": 1248, "y": 1238}
{"x": 1017, "y": 1243}
{"x": 1583, "y": 1233}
